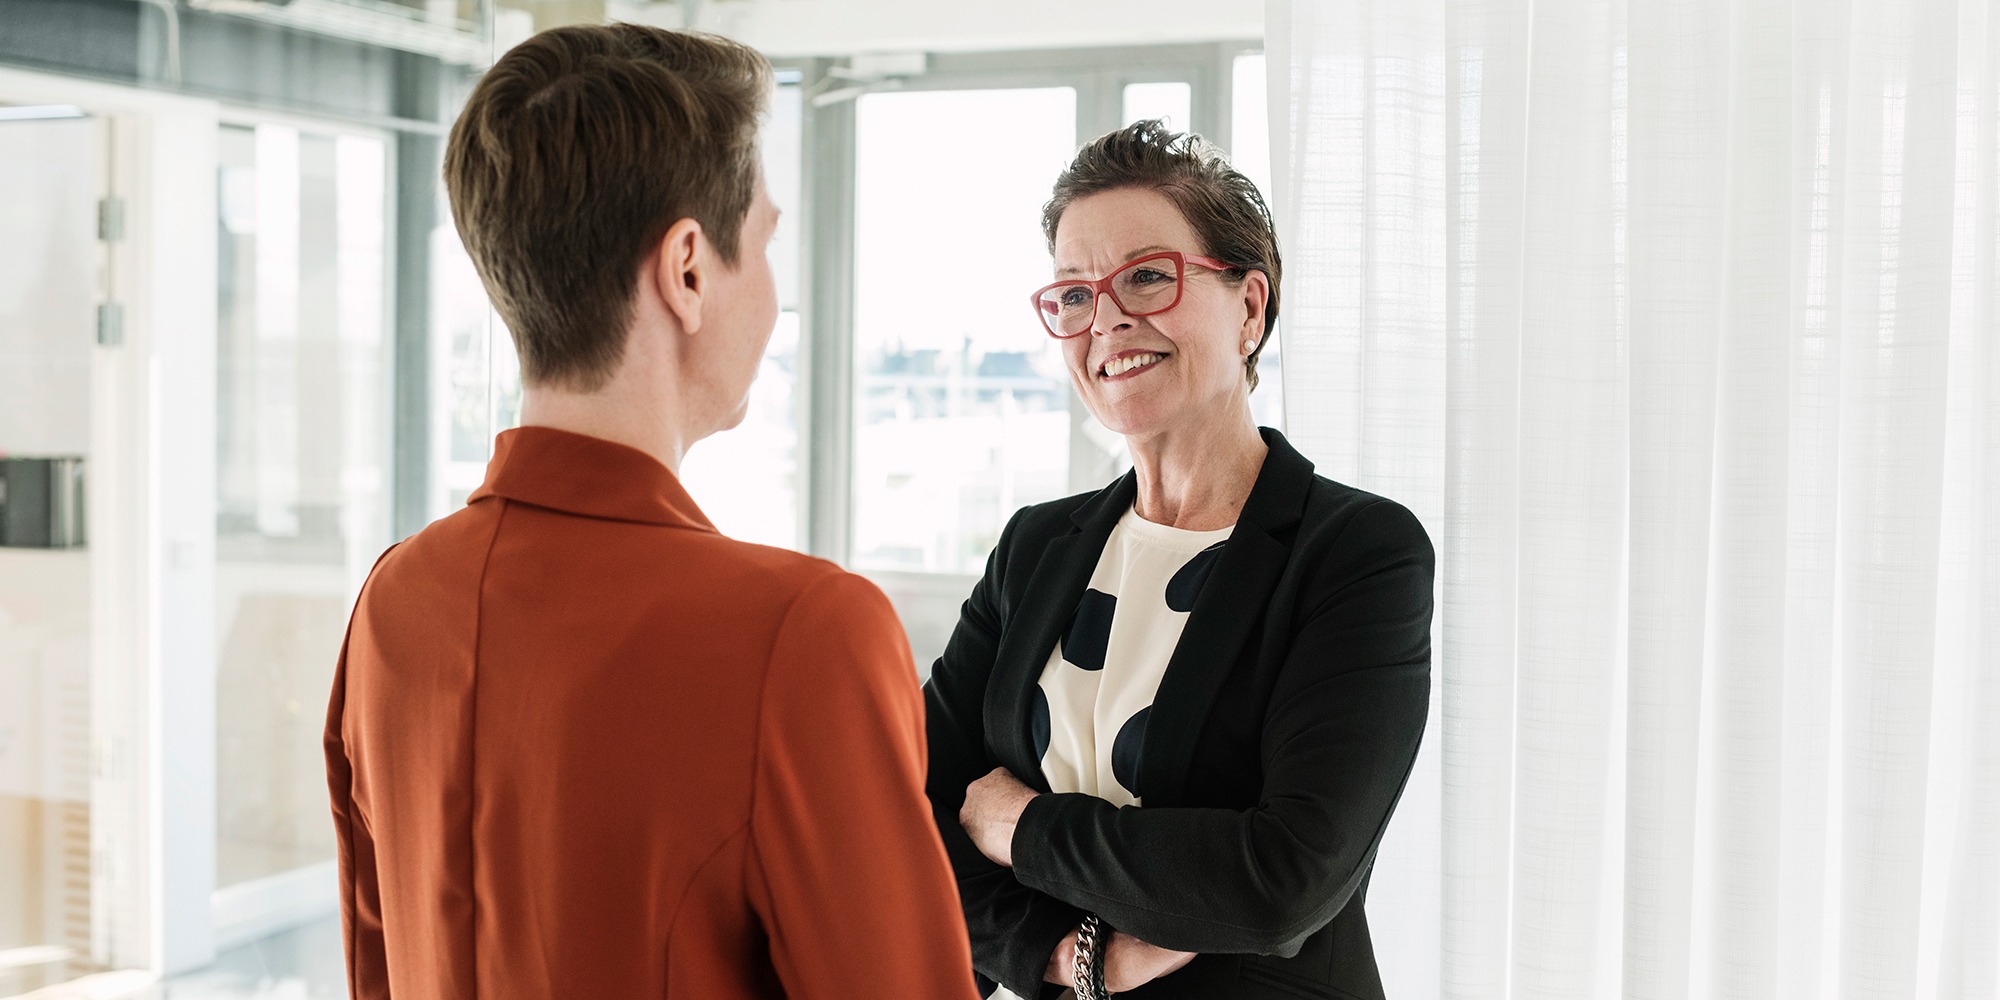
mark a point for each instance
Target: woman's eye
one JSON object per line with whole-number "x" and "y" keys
{"x": 1074, "y": 298}
{"x": 1150, "y": 276}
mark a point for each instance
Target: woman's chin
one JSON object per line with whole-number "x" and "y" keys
{"x": 1134, "y": 419}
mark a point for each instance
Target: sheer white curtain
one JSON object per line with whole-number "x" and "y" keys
{"x": 1675, "y": 322}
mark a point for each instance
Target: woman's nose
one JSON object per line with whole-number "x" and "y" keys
{"x": 1109, "y": 316}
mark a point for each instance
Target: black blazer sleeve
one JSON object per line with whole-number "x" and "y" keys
{"x": 1014, "y": 929}
{"x": 1339, "y": 739}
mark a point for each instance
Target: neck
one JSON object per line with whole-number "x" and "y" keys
{"x": 1198, "y": 474}
{"x": 620, "y": 412}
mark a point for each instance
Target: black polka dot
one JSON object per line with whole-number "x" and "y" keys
{"x": 1125, "y": 750}
{"x": 1187, "y": 581}
{"x": 1038, "y": 722}
{"x": 1089, "y": 632}
{"x": 987, "y": 987}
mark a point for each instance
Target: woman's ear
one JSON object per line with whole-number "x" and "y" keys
{"x": 1256, "y": 297}
{"x": 679, "y": 275}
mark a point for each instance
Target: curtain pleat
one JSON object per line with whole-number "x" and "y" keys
{"x": 1901, "y": 153}
{"x": 1573, "y": 506}
{"x": 1742, "y": 777}
{"x": 1676, "y": 237}
{"x": 1809, "y": 923}
{"x": 1486, "y": 84}
{"x": 1968, "y": 961}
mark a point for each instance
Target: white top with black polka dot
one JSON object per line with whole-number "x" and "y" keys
{"x": 1090, "y": 709}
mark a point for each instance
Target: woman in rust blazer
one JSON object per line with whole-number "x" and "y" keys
{"x": 582, "y": 745}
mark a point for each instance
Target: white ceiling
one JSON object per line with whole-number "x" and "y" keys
{"x": 842, "y": 27}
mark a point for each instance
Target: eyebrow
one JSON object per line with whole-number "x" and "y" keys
{"x": 1136, "y": 254}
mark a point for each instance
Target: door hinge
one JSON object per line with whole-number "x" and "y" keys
{"x": 111, "y": 219}
{"x": 110, "y": 324}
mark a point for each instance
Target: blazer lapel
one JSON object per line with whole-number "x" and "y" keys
{"x": 1230, "y": 605}
{"x": 1045, "y": 607}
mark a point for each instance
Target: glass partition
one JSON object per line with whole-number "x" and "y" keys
{"x": 302, "y": 439}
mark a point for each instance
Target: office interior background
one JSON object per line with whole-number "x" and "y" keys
{"x": 1673, "y": 322}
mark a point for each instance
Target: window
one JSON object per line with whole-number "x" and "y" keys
{"x": 1170, "y": 102}
{"x": 961, "y": 401}
{"x": 475, "y": 376}
{"x": 1249, "y": 120}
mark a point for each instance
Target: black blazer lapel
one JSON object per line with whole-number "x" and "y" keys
{"x": 1230, "y": 605}
{"x": 1044, "y": 608}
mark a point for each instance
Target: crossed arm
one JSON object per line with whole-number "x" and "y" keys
{"x": 992, "y": 811}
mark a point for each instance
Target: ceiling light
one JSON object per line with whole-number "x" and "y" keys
{"x": 39, "y": 112}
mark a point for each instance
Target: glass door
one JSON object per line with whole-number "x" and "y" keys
{"x": 52, "y": 273}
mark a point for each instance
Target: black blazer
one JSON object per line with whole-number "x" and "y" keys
{"x": 1280, "y": 739}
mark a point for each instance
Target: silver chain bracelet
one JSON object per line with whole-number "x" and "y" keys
{"x": 1087, "y": 969}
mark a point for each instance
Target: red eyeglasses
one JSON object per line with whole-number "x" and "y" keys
{"x": 1147, "y": 286}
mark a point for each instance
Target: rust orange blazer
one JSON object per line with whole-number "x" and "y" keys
{"x": 582, "y": 745}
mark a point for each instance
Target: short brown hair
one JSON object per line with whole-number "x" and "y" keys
{"x": 1225, "y": 210}
{"x": 574, "y": 155}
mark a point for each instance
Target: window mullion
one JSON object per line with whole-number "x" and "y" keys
{"x": 827, "y": 321}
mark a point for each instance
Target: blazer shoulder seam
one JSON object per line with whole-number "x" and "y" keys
{"x": 472, "y": 738}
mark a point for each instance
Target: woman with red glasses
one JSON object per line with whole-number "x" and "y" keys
{"x": 1176, "y": 713}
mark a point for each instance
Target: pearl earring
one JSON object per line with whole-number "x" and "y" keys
{"x": 1249, "y": 345}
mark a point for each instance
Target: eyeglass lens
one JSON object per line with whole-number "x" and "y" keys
{"x": 1140, "y": 288}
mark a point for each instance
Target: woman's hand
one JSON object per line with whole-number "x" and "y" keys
{"x": 993, "y": 807}
{"x": 1129, "y": 963}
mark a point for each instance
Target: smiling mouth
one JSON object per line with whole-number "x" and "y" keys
{"x": 1129, "y": 364}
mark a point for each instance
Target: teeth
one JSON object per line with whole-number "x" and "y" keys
{"x": 1120, "y": 366}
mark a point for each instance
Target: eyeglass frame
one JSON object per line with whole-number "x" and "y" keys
{"x": 1101, "y": 287}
